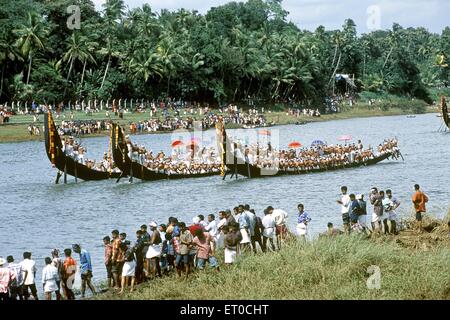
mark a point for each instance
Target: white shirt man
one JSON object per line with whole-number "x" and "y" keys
{"x": 280, "y": 217}
{"x": 29, "y": 271}
{"x": 390, "y": 204}
{"x": 212, "y": 228}
{"x": 345, "y": 205}
{"x": 269, "y": 226}
{"x": 49, "y": 278}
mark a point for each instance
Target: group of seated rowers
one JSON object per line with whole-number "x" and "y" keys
{"x": 195, "y": 161}
{"x": 74, "y": 150}
{"x": 315, "y": 157}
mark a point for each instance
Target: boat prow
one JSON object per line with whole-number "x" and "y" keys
{"x": 64, "y": 163}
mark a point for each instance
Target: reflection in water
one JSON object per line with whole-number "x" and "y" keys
{"x": 41, "y": 216}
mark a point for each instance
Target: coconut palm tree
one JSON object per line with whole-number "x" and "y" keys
{"x": 109, "y": 51}
{"x": 78, "y": 49}
{"x": 31, "y": 38}
{"x": 169, "y": 56}
{"x": 8, "y": 52}
{"x": 144, "y": 63}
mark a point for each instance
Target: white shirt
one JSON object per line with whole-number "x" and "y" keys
{"x": 279, "y": 216}
{"x": 269, "y": 226}
{"x": 345, "y": 199}
{"x": 268, "y": 221}
{"x": 212, "y": 228}
{"x": 390, "y": 204}
{"x": 221, "y": 223}
{"x": 49, "y": 278}
{"x": 30, "y": 267}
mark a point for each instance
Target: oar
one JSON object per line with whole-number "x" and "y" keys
{"x": 120, "y": 177}
{"x": 76, "y": 174}
{"x": 58, "y": 175}
{"x": 131, "y": 171}
{"x": 65, "y": 171}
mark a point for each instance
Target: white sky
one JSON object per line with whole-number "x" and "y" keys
{"x": 309, "y": 14}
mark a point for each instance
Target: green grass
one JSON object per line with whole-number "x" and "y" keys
{"x": 328, "y": 268}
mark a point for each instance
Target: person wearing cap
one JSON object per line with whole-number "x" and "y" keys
{"x": 29, "y": 276}
{"x": 85, "y": 268}
{"x": 154, "y": 251}
{"x": 16, "y": 286}
{"x": 6, "y": 278}
{"x": 49, "y": 278}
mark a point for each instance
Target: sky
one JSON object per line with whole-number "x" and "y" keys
{"x": 368, "y": 15}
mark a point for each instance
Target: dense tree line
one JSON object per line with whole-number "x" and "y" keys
{"x": 232, "y": 53}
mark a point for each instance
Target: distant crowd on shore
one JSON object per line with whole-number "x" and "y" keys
{"x": 85, "y": 127}
{"x": 176, "y": 247}
{"x": 208, "y": 118}
{"x": 303, "y": 112}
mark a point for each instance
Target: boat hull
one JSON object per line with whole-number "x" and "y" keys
{"x": 64, "y": 163}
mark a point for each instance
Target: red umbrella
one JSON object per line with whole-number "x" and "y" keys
{"x": 294, "y": 145}
{"x": 264, "y": 132}
{"x": 346, "y": 138}
{"x": 177, "y": 143}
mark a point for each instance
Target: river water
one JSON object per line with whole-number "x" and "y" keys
{"x": 37, "y": 215}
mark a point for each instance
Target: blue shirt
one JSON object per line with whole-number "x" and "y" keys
{"x": 85, "y": 261}
{"x": 354, "y": 206}
{"x": 176, "y": 231}
{"x": 243, "y": 221}
{"x": 303, "y": 217}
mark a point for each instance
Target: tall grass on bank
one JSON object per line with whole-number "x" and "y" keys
{"x": 329, "y": 268}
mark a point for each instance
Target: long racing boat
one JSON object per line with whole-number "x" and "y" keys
{"x": 134, "y": 169}
{"x": 64, "y": 163}
{"x": 237, "y": 165}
